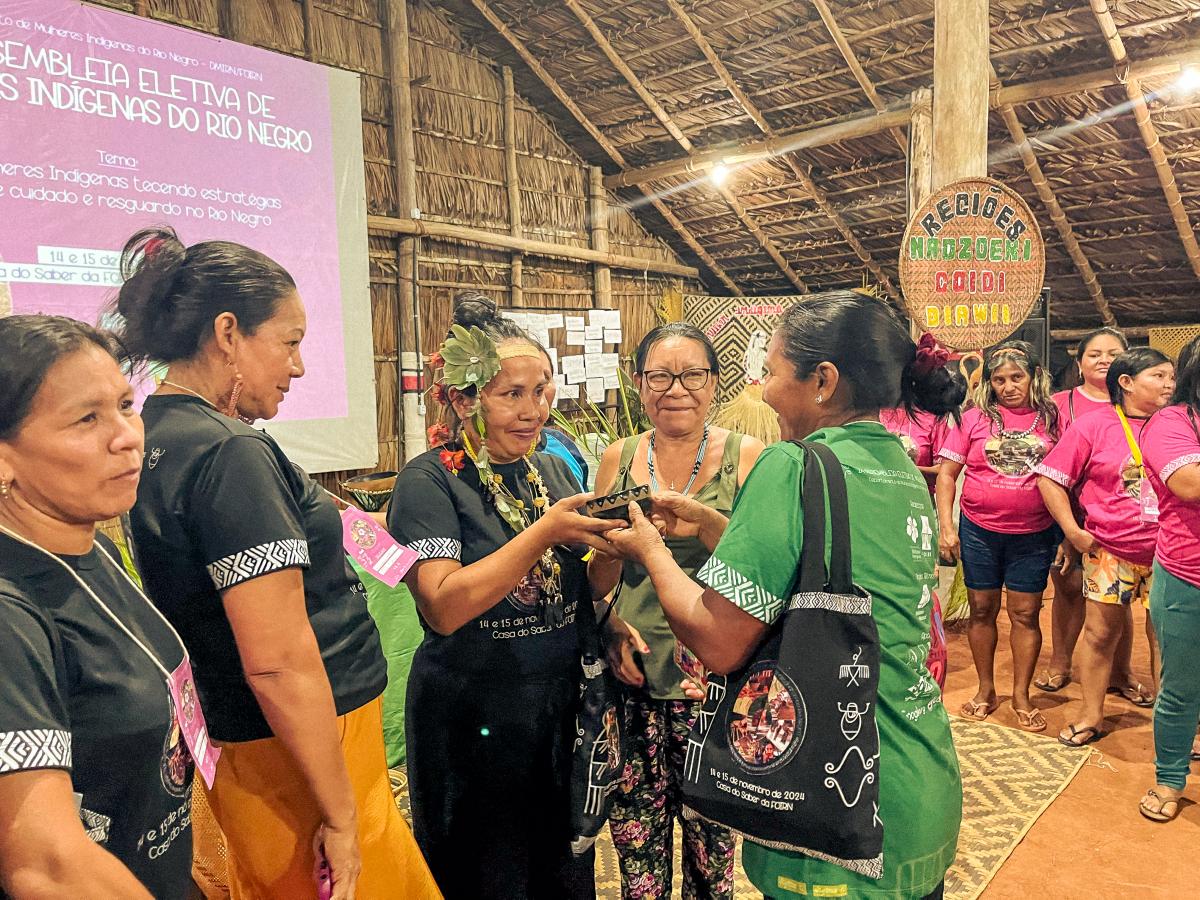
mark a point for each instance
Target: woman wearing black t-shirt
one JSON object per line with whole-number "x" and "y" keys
{"x": 95, "y": 778}
{"x": 243, "y": 553}
{"x": 492, "y": 691}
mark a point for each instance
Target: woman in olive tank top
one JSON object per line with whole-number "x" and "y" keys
{"x": 694, "y": 470}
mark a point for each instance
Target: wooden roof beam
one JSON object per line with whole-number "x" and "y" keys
{"x": 664, "y": 117}
{"x": 810, "y": 187}
{"x": 1061, "y": 224}
{"x": 605, "y": 144}
{"x": 1141, "y": 115}
{"x": 855, "y": 67}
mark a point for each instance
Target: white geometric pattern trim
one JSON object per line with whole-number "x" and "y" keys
{"x": 1176, "y": 464}
{"x": 740, "y": 590}
{"x": 1054, "y": 475}
{"x": 95, "y": 824}
{"x": 853, "y": 606}
{"x": 37, "y": 748}
{"x": 437, "y": 548}
{"x": 950, "y": 454}
{"x": 261, "y": 560}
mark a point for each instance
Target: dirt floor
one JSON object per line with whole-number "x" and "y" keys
{"x": 1092, "y": 842}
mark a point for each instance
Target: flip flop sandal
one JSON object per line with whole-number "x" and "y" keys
{"x": 1135, "y": 694}
{"x": 1157, "y": 815}
{"x": 1051, "y": 681}
{"x": 1069, "y": 740}
{"x": 977, "y": 711}
{"x": 1030, "y": 720}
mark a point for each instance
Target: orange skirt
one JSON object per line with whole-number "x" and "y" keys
{"x": 262, "y": 805}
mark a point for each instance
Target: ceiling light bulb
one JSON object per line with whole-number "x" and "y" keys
{"x": 719, "y": 173}
{"x": 1189, "y": 80}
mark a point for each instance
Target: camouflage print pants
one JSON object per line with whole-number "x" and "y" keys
{"x": 648, "y": 804}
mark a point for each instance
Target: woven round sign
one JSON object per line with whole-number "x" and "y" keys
{"x": 972, "y": 263}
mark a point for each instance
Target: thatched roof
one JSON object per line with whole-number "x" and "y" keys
{"x": 783, "y": 65}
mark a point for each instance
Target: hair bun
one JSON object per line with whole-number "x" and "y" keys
{"x": 475, "y": 309}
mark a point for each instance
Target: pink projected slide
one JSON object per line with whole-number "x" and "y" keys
{"x": 112, "y": 123}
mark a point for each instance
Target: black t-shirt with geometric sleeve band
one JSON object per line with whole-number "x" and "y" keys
{"x": 220, "y": 504}
{"x": 78, "y": 694}
{"x": 442, "y": 515}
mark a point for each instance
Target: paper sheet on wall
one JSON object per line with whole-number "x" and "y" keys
{"x": 567, "y": 392}
{"x": 612, "y": 335}
{"x": 575, "y": 323}
{"x": 574, "y": 368}
{"x": 593, "y": 346}
{"x": 612, "y": 382}
{"x": 594, "y": 332}
{"x": 605, "y": 318}
{"x": 595, "y": 389}
{"x": 575, "y": 338}
{"x": 553, "y": 320}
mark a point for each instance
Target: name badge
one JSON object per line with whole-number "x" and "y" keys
{"x": 374, "y": 549}
{"x": 1148, "y": 501}
{"x": 190, "y": 717}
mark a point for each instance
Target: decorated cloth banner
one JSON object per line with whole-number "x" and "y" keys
{"x": 740, "y": 329}
{"x": 972, "y": 263}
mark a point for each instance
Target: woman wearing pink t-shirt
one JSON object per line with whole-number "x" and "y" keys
{"x": 1006, "y": 537}
{"x": 1171, "y": 444}
{"x": 1099, "y": 461}
{"x": 1093, "y": 355}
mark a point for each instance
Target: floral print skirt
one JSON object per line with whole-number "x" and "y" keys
{"x": 649, "y": 802}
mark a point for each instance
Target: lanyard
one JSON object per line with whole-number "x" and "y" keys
{"x": 96, "y": 597}
{"x": 1129, "y": 439}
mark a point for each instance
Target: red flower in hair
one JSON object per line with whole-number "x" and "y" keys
{"x": 930, "y": 355}
{"x": 436, "y": 361}
{"x": 452, "y": 460}
{"x": 152, "y": 246}
{"x": 439, "y": 393}
{"x": 438, "y": 434}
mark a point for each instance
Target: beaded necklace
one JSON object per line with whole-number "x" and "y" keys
{"x": 543, "y": 583}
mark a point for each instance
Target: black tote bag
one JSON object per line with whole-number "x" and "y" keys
{"x": 598, "y": 755}
{"x": 786, "y": 751}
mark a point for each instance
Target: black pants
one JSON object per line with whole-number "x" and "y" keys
{"x": 489, "y": 767}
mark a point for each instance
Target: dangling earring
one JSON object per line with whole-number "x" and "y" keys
{"x": 820, "y": 398}
{"x": 3, "y": 490}
{"x": 231, "y": 408}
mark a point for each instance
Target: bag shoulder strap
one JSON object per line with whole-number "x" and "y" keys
{"x": 628, "y": 448}
{"x": 823, "y": 468}
{"x": 812, "y": 576}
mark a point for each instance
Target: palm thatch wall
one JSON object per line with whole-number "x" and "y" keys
{"x": 458, "y": 132}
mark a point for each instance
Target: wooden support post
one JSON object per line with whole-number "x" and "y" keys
{"x": 306, "y": 19}
{"x": 408, "y": 337}
{"x": 920, "y": 149}
{"x": 920, "y": 161}
{"x": 598, "y": 220}
{"x": 141, "y": 8}
{"x": 512, "y": 182}
{"x": 960, "y": 90}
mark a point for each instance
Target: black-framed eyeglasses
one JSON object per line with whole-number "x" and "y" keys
{"x": 660, "y": 380}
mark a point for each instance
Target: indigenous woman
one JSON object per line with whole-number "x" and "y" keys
{"x": 1093, "y": 356}
{"x": 95, "y": 779}
{"x": 1100, "y": 461}
{"x": 695, "y": 469}
{"x": 1006, "y": 537}
{"x": 835, "y": 361}
{"x": 243, "y": 553}
{"x": 500, "y": 586}
{"x": 1171, "y": 444}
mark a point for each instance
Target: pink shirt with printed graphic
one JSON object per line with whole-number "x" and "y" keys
{"x": 1170, "y": 442}
{"x": 1094, "y": 459}
{"x": 915, "y": 432}
{"x": 1082, "y": 403}
{"x": 999, "y": 485}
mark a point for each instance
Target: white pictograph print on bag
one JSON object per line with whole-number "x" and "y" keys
{"x": 854, "y": 670}
{"x": 868, "y": 776}
{"x": 852, "y": 719}
{"x": 715, "y": 693}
